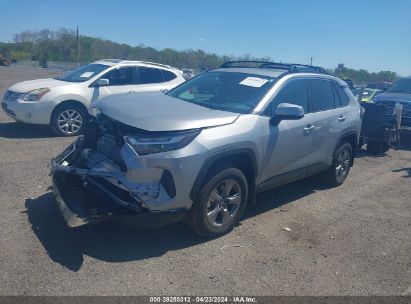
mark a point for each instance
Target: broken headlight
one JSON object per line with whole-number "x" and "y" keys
{"x": 150, "y": 143}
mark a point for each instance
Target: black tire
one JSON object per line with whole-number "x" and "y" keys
{"x": 374, "y": 148}
{"x": 199, "y": 219}
{"x": 338, "y": 171}
{"x": 71, "y": 130}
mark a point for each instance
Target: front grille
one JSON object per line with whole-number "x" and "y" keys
{"x": 406, "y": 111}
{"x": 12, "y": 96}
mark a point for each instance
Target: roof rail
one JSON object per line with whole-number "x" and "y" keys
{"x": 158, "y": 64}
{"x": 139, "y": 61}
{"x": 287, "y": 67}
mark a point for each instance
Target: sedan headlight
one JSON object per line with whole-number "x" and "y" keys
{"x": 150, "y": 143}
{"x": 35, "y": 95}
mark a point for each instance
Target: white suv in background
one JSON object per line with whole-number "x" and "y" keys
{"x": 64, "y": 102}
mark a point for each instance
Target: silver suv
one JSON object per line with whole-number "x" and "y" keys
{"x": 203, "y": 150}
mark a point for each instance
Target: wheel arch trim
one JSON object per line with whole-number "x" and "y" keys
{"x": 210, "y": 161}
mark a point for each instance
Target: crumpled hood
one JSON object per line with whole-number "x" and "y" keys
{"x": 26, "y": 86}
{"x": 397, "y": 97}
{"x": 159, "y": 112}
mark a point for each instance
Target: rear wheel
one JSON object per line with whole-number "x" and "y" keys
{"x": 69, "y": 119}
{"x": 341, "y": 165}
{"x": 221, "y": 202}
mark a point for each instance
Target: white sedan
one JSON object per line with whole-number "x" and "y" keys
{"x": 65, "y": 102}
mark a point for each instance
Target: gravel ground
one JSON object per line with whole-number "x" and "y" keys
{"x": 350, "y": 240}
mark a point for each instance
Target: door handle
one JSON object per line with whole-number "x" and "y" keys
{"x": 342, "y": 118}
{"x": 132, "y": 91}
{"x": 308, "y": 128}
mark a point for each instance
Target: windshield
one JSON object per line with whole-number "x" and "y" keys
{"x": 83, "y": 73}
{"x": 401, "y": 86}
{"x": 227, "y": 91}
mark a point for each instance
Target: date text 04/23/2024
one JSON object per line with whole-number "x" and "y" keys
{"x": 200, "y": 299}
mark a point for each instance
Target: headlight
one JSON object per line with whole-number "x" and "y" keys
{"x": 144, "y": 144}
{"x": 35, "y": 95}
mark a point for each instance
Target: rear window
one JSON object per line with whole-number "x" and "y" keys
{"x": 342, "y": 99}
{"x": 322, "y": 97}
{"x": 150, "y": 75}
{"x": 168, "y": 76}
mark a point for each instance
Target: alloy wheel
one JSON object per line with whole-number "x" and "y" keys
{"x": 70, "y": 121}
{"x": 343, "y": 164}
{"x": 223, "y": 203}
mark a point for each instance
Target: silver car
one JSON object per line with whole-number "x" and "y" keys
{"x": 202, "y": 151}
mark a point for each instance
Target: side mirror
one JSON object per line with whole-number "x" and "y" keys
{"x": 287, "y": 111}
{"x": 101, "y": 82}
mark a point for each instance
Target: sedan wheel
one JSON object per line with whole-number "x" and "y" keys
{"x": 70, "y": 121}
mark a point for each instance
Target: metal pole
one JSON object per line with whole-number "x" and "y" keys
{"x": 77, "y": 49}
{"x": 311, "y": 61}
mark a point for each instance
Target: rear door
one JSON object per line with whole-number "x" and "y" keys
{"x": 153, "y": 79}
{"x": 330, "y": 120}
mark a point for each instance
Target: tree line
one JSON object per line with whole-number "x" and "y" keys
{"x": 60, "y": 45}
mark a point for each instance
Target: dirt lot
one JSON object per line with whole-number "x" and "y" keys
{"x": 350, "y": 240}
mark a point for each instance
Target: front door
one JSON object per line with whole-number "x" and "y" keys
{"x": 290, "y": 143}
{"x": 121, "y": 80}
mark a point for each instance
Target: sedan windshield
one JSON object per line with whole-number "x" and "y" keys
{"x": 83, "y": 73}
{"x": 401, "y": 86}
{"x": 227, "y": 91}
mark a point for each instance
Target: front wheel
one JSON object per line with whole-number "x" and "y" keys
{"x": 221, "y": 202}
{"x": 341, "y": 165}
{"x": 69, "y": 120}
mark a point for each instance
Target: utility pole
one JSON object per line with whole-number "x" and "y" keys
{"x": 77, "y": 49}
{"x": 311, "y": 61}
{"x": 44, "y": 64}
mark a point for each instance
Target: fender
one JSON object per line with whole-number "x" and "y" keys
{"x": 216, "y": 157}
{"x": 346, "y": 134}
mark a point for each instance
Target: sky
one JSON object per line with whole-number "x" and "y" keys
{"x": 370, "y": 34}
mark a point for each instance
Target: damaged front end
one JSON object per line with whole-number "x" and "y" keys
{"x": 99, "y": 177}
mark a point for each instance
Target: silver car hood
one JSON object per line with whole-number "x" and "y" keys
{"x": 160, "y": 112}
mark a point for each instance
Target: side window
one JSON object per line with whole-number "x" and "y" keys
{"x": 120, "y": 76}
{"x": 168, "y": 76}
{"x": 342, "y": 97}
{"x": 322, "y": 97}
{"x": 294, "y": 92}
{"x": 150, "y": 75}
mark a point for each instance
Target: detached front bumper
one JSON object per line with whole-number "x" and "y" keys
{"x": 88, "y": 196}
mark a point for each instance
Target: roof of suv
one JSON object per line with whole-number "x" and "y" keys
{"x": 112, "y": 62}
{"x": 276, "y": 70}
